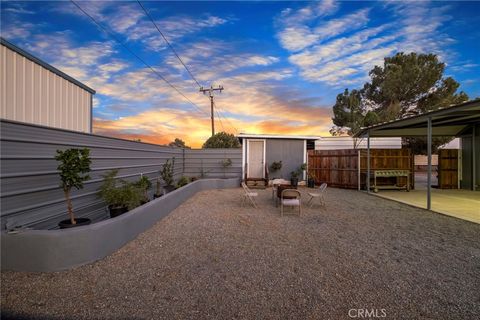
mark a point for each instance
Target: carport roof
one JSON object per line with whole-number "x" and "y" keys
{"x": 449, "y": 121}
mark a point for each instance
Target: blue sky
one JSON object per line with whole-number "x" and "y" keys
{"x": 281, "y": 63}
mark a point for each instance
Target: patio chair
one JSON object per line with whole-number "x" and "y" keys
{"x": 248, "y": 194}
{"x": 290, "y": 198}
{"x": 318, "y": 195}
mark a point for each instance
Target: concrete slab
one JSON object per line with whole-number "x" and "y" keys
{"x": 462, "y": 204}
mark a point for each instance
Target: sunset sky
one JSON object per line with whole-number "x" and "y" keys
{"x": 281, "y": 63}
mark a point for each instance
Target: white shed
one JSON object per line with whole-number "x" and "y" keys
{"x": 33, "y": 91}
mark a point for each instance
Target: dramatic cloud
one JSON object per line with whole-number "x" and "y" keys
{"x": 339, "y": 51}
{"x": 281, "y": 71}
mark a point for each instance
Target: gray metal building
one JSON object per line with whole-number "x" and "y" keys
{"x": 259, "y": 151}
{"x": 32, "y": 91}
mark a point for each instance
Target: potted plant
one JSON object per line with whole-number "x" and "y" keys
{"x": 294, "y": 178}
{"x": 121, "y": 198}
{"x": 74, "y": 167}
{"x": 167, "y": 175}
{"x": 182, "y": 181}
{"x": 225, "y": 164}
{"x": 311, "y": 180}
{"x": 143, "y": 184}
{"x": 276, "y": 166}
{"x": 158, "y": 187}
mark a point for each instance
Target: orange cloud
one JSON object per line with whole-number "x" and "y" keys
{"x": 163, "y": 126}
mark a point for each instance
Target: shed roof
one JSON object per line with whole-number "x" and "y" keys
{"x": 449, "y": 121}
{"x": 275, "y": 136}
{"x": 47, "y": 66}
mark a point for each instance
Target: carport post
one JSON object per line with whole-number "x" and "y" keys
{"x": 429, "y": 154}
{"x": 474, "y": 161}
{"x": 359, "y": 163}
{"x": 368, "y": 161}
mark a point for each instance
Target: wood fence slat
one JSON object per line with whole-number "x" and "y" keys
{"x": 339, "y": 168}
{"x": 448, "y": 168}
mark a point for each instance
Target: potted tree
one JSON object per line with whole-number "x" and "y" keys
{"x": 74, "y": 167}
{"x": 167, "y": 175}
{"x": 294, "y": 178}
{"x": 225, "y": 164}
{"x": 143, "y": 184}
{"x": 276, "y": 166}
{"x": 121, "y": 198}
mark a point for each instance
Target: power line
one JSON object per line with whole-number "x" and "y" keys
{"x": 136, "y": 56}
{"x": 168, "y": 43}
{"x": 226, "y": 119}
{"x": 220, "y": 120}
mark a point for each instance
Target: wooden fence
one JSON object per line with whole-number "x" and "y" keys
{"x": 348, "y": 168}
{"x": 448, "y": 168}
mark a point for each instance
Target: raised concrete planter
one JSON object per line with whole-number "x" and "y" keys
{"x": 55, "y": 250}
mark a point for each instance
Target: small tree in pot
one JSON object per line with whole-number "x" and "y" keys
{"x": 121, "y": 198}
{"x": 167, "y": 175}
{"x": 144, "y": 184}
{"x": 74, "y": 166}
{"x": 295, "y": 174}
{"x": 294, "y": 178}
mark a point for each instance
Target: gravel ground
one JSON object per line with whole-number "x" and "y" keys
{"x": 211, "y": 258}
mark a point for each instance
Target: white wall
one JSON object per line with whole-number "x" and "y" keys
{"x": 335, "y": 143}
{"x": 33, "y": 94}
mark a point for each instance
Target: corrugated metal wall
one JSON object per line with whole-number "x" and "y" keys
{"x": 33, "y": 94}
{"x": 290, "y": 152}
{"x": 209, "y": 161}
{"x": 30, "y": 195}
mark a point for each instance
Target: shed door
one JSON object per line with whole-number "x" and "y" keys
{"x": 255, "y": 159}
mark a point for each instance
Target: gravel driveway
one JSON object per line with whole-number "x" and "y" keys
{"x": 211, "y": 258}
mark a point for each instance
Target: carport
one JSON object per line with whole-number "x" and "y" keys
{"x": 461, "y": 121}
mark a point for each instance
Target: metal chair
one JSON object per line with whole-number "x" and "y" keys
{"x": 318, "y": 195}
{"x": 248, "y": 194}
{"x": 290, "y": 198}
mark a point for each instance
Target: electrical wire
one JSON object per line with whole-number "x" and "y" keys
{"x": 220, "y": 120}
{"x": 139, "y": 58}
{"x": 225, "y": 118}
{"x": 169, "y": 45}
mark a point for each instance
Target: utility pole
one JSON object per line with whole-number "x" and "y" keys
{"x": 210, "y": 94}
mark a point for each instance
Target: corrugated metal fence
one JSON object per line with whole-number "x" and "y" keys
{"x": 30, "y": 193}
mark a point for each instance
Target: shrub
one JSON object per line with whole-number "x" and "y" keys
{"x": 182, "y": 181}
{"x": 126, "y": 195}
{"x": 143, "y": 184}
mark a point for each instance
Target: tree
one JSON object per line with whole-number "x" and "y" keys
{"x": 410, "y": 84}
{"x": 406, "y": 85}
{"x": 350, "y": 115}
{"x": 74, "y": 166}
{"x": 222, "y": 140}
{"x": 178, "y": 143}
